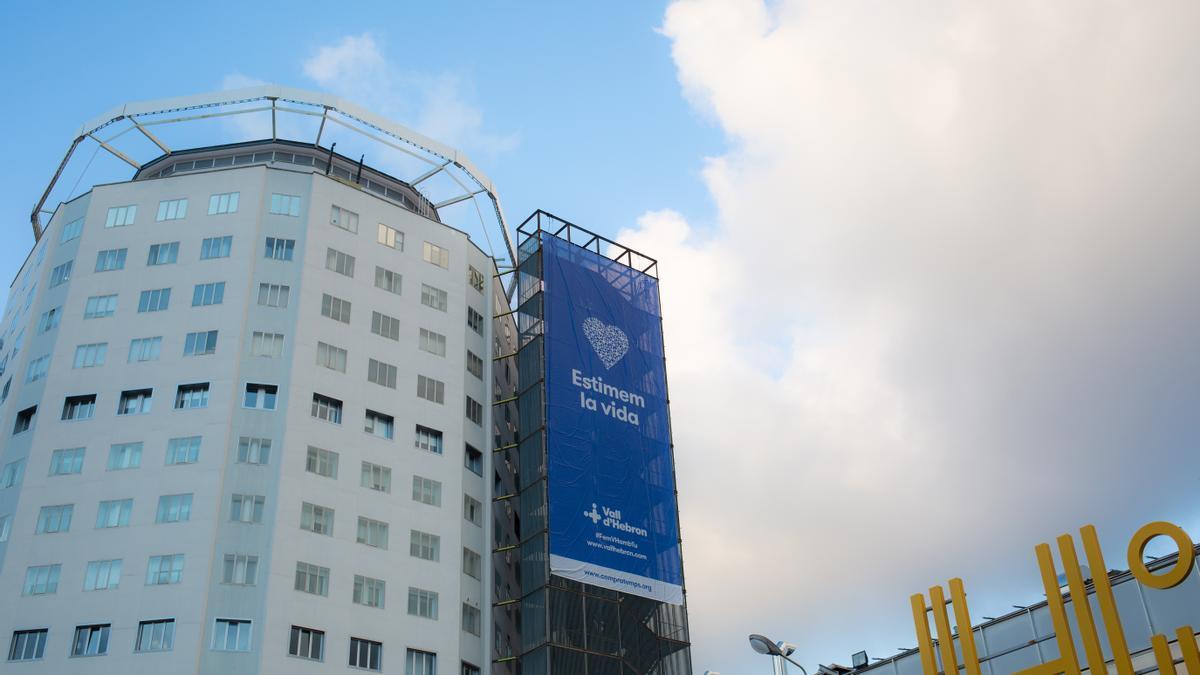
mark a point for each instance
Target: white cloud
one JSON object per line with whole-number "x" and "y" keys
{"x": 949, "y": 311}
{"x": 437, "y": 105}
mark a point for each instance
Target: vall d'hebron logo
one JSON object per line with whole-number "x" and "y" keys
{"x": 611, "y": 344}
{"x": 612, "y": 518}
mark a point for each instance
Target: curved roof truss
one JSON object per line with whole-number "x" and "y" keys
{"x": 425, "y": 159}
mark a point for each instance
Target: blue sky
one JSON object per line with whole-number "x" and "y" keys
{"x": 928, "y": 273}
{"x": 585, "y": 97}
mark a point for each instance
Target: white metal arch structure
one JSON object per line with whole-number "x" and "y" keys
{"x": 147, "y": 117}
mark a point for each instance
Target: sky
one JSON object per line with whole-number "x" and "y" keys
{"x": 928, "y": 269}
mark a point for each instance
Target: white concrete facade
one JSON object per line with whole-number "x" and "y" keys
{"x": 202, "y": 597}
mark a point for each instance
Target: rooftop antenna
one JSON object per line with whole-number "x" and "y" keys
{"x": 329, "y": 164}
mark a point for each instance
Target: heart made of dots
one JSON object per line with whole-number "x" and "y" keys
{"x": 609, "y": 342}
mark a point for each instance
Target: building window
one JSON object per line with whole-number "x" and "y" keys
{"x": 335, "y": 308}
{"x": 246, "y": 508}
{"x": 376, "y": 477}
{"x": 184, "y": 450}
{"x": 216, "y": 247}
{"x": 155, "y": 636}
{"x": 189, "y": 396}
{"x": 280, "y": 249}
{"x": 474, "y": 460}
{"x": 163, "y": 254}
{"x": 326, "y": 408}
{"x": 365, "y": 654}
{"x": 474, "y": 364}
{"x": 23, "y": 423}
{"x": 307, "y": 643}
{"x": 71, "y": 230}
{"x": 432, "y": 253}
{"x": 387, "y": 280}
{"x": 66, "y": 461}
{"x": 61, "y": 274}
{"x": 470, "y": 619}
{"x": 474, "y": 411}
{"x": 285, "y": 205}
{"x": 383, "y": 374}
{"x": 208, "y": 294}
{"x": 431, "y": 389}
{"x": 331, "y": 357}
{"x": 316, "y": 519}
{"x": 378, "y": 424}
{"x": 260, "y": 396}
{"x": 124, "y": 456}
{"x": 385, "y": 326}
{"x": 428, "y": 439}
{"x": 420, "y": 663}
{"x": 475, "y": 320}
{"x": 475, "y": 278}
{"x": 11, "y": 476}
{"x": 155, "y": 300}
{"x": 274, "y": 295}
{"x": 90, "y": 355}
{"x": 111, "y": 260}
{"x": 171, "y": 209}
{"x": 368, "y": 591}
{"x": 99, "y": 306}
{"x": 164, "y": 569}
{"x": 427, "y": 491}
{"x": 144, "y": 349}
{"x": 342, "y": 263}
{"x": 102, "y": 575}
{"x": 120, "y": 216}
{"x": 269, "y": 345}
{"x": 41, "y": 580}
{"x": 200, "y": 343}
{"x": 347, "y": 220}
{"x": 433, "y": 297}
{"x": 135, "y": 401}
{"x": 53, "y": 519}
{"x": 422, "y": 603}
{"x": 424, "y": 545}
{"x": 49, "y": 320}
{"x": 79, "y": 407}
{"x": 114, "y": 513}
{"x": 472, "y": 563}
{"x": 28, "y": 645}
{"x": 312, "y": 579}
{"x": 372, "y": 533}
{"x": 174, "y": 509}
{"x": 434, "y": 343}
{"x": 37, "y": 369}
{"x": 232, "y": 635}
{"x": 468, "y": 669}
{"x": 472, "y": 510}
{"x": 5, "y": 528}
{"x": 91, "y": 640}
{"x": 240, "y": 570}
{"x": 226, "y": 202}
{"x": 253, "y": 450}
{"x": 321, "y": 462}
{"x": 390, "y": 237}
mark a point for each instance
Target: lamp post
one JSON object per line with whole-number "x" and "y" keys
{"x": 780, "y": 650}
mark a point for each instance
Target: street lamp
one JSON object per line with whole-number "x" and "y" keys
{"x": 763, "y": 645}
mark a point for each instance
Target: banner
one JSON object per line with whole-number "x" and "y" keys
{"x": 613, "y": 514}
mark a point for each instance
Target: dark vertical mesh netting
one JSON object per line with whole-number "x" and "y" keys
{"x": 603, "y": 626}
{"x": 566, "y": 618}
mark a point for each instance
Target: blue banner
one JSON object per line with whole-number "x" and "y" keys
{"x": 613, "y": 514}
